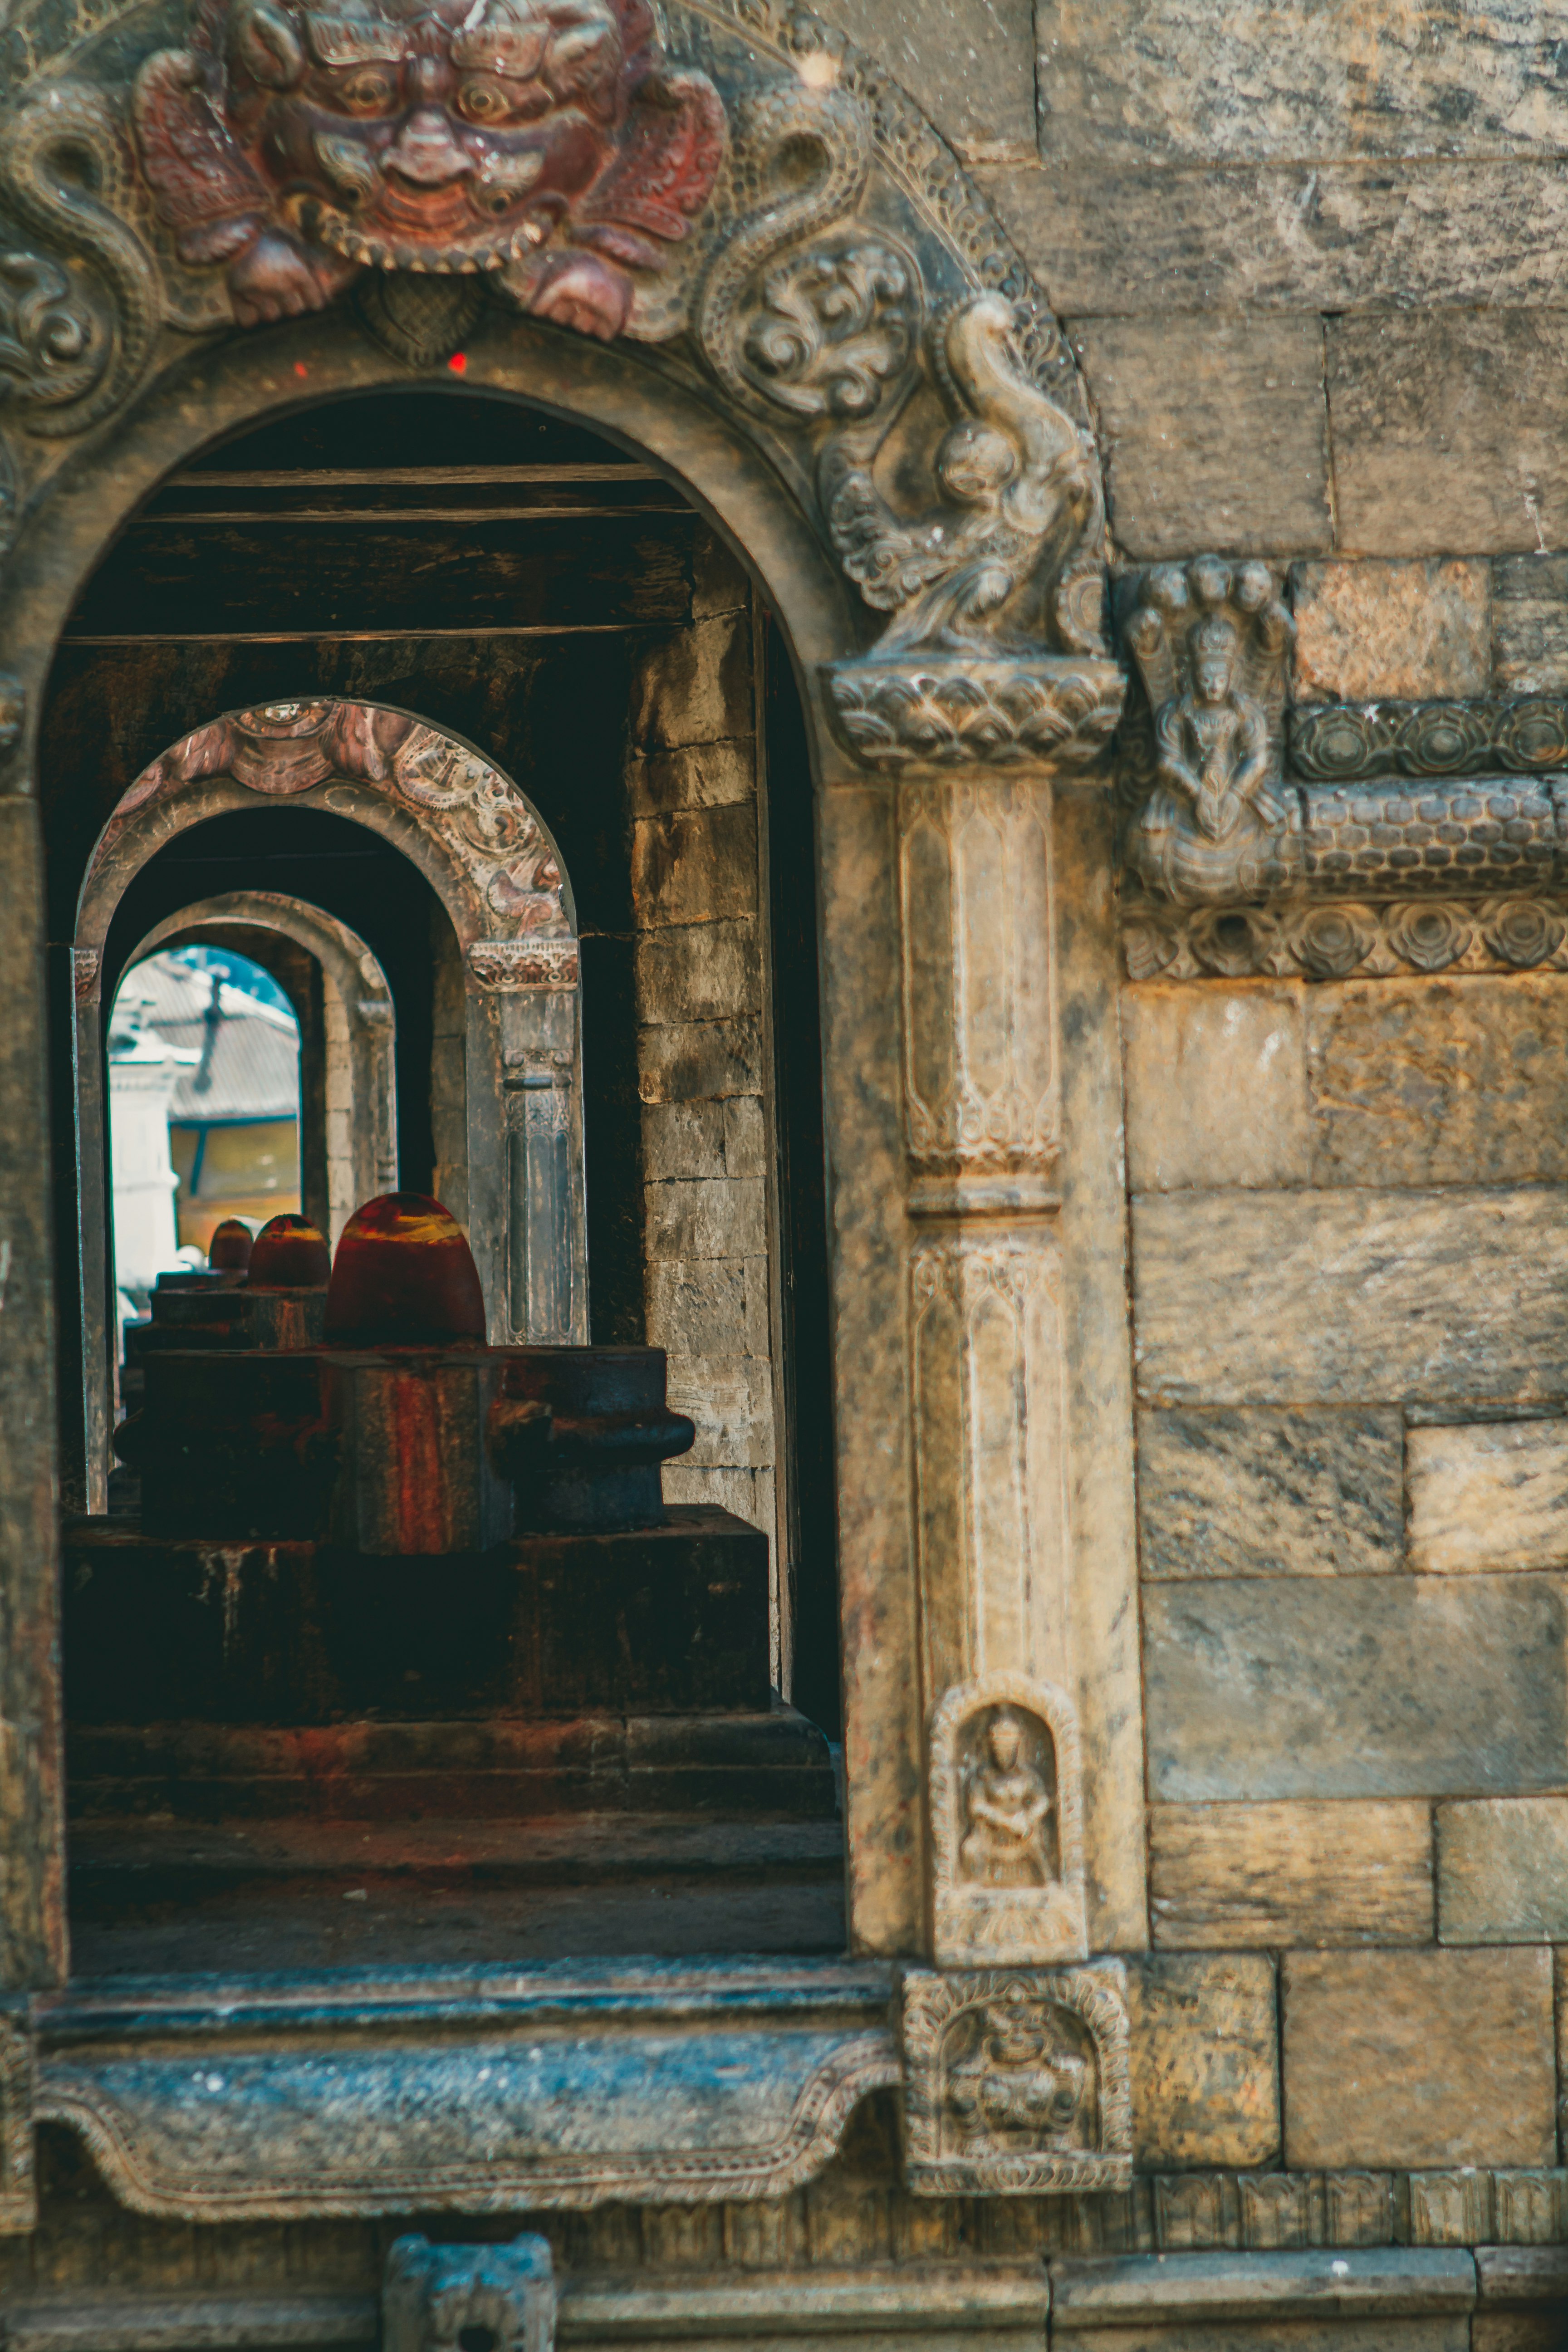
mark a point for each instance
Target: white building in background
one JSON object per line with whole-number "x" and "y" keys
{"x": 144, "y": 1070}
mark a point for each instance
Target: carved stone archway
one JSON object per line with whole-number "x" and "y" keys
{"x": 510, "y": 1164}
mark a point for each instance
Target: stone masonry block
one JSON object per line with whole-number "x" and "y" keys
{"x": 1412, "y": 631}
{"x": 708, "y": 1306}
{"x": 1276, "y": 1875}
{"x": 731, "y": 1400}
{"x": 1451, "y": 431}
{"x": 1439, "y": 1081}
{"x": 708, "y": 971}
{"x": 695, "y": 686}
{"x": 700, "y": 1061}
{"x": 972, "y": 71}
{"x": 745, "y": 1136}
{"x": 706, "y": 1216}
{"x": 1217, "y": 1088}
{"x": 1355, "y": 1687}
{"x": 1488, "y": 1495}
{"x": 718, "y": 580}
{"x": 1215, "y": 433}
{"x": 1530, "y": 623}
{"x": 695, "y": 865}
{"x": 1139, "y": 79}
{"x": 696, "y": 775}
{"x": 1351, "y": 1296}
{"x": 1502, "y": 1871}
{"x": 1205, "y": 2077}
{"x": 1256, "y": 1490}
{"x": 1418, "y": 2059}
{"x": 683, "y": 1139}
{"x": 1125, "y": 240}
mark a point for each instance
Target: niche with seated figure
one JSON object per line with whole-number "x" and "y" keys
{"x": 508, "y": 1630}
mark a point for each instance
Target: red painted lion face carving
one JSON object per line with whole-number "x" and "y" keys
{"x": 301, "y": 142}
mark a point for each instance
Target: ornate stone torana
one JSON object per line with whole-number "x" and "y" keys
{"x": 722, "y": 189}
{"x": 448, "y": 2298}
{"x": 1210, "y": 641}
{"x": 1016, "y": 2082}
{"x": 1006, "y": 1824}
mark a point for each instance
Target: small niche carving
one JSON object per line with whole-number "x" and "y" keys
{"x": 1007, "y": 1880}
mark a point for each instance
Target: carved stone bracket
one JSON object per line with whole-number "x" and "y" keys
{"x": 1006, "y": 1824}
{"x": 1016, "y": 2082}
{"x": 451, "y": 2298}
{"x": 946, "y": 710}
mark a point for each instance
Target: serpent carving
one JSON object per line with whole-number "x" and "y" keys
{"x": 71, "y": 365}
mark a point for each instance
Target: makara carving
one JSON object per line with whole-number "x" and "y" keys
{"x": 1016, "y": 2082}
{"x": 541, "y": 139}
{"x": 453, "y": 2298}
{"x": 1006, "y": 1825}
{"x": 1211, "y": 642}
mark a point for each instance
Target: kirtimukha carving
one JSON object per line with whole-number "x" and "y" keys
{"x": 1006, "y": 1825}
{"x": 439, "y": 2298}
{"x": 540, "y": 138}
{"x": 1016, "y": 2082}
{"x": 1211, "y": 641}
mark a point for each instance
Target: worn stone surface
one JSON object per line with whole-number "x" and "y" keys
{"x": 711, "y": 1216}
{"x": 1412, "y": 631}
{"x": 1347, "y": 1297}
{"x": 696, "y": 775}
{"x": 1530, "y": 623}
{"x": 1448, "y": 432}
{"x": 1145, "y": 79}
{"x": 1132, "y": 240}
{"x": 1206, "y": 2076}
{"x": 1255, "y": 1491}
{"x": 1488, "y": 1495}
{"x": 974, "y": 74}
{"x": 1502, "y": 1871}
{"x": 1216, "y": 1085}
{"x": 1418, "y": 2058}
{"x": 704, "y": 971}
{"x": 1214, "y": 434}
{"x": 731, "y": 1399}
{"x": 698, "y": 1061}
{"x": 1439, "y": 1081}
{"x": 1277, "y": 1875}
{"x": 691, "y": 687}
{"x": 695, "y": 865}
{"x": 708, "y": 1306}
{"x": 1367, "y": 1686}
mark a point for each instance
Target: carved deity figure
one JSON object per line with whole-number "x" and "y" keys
{"x": 1211, "y": 645}
{"x": 303, "y": 140}
{"x": 1024, "y": 2084}
{"x": 1007, "y": 1810}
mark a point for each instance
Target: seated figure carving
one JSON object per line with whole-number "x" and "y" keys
{"x": 1008, "y": 1809}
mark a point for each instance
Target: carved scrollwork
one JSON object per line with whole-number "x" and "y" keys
{"x": 1355, "y": 742}
{"x": 1341, "y": 940}
{"x": 64, "y": 168}
{"x": 1016, "y": 2082}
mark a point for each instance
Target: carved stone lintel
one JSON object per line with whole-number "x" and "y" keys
{"x": 1352, "y": 742}
{"x": 442, "y": 2298}
{"x": 508, "y": 965}
{"x": 1006, "y": 1825}
{"x": 1344, "y": 938}
{"x": 1016, "y": 2082}
{"x": 946, "y": 710}
{"x": 18, "y": 2184}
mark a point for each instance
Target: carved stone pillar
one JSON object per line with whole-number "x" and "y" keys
{"x": 469, "y": 2298}
{"x": 987, "y": 1362}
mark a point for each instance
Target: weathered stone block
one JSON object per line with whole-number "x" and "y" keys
{"x": 1439, "y": 1081}
{"x": 1489, "y": 1495}
{"x": 708, "y": 971}
{"x": 1365, "y": 1687}
{"x": 696, "y": 1061}
{"x": 1259, "y": 1491}
{"x": 972, "y": 72}
{"x": 696, "y": 686}
{"x": 696, "y": 775}
{"x": 711, "y": 1216}
{"x": 1320, "y": 2299}
{"x": 708, "y": 1306}
{"x": 1204, "y": 2053}
{"x": 1277, "y": 1875}
{"x": 1215, "y": 433}
{"x": 1449, "y": 431}
{"x": 1131, "y": 241}
{"x": 1146, "y": 79}
{"x": 695, "y": 865}
{"x": 1502, "y": 1871}
{"x": 1413, "y": 631}
{"x": 1530, "y": 623}
{"x": 1418, "y": 2058}
{"x": 683, "y": 1139}
{"x": 1342, "y": 1297}
{"x": 718, "y": 582}
{"x": 748, "y": 1494}
{"x": 745, "y": 1136}
{"x": 731, "y": 1399}
{"x": 1216, "y": 1087}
